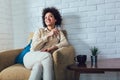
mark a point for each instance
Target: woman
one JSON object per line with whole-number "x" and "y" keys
{"x": 44, "y": 42}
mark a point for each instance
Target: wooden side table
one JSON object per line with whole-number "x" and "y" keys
{"x": 101, "y": 67}
{"x": 79, "y": 69}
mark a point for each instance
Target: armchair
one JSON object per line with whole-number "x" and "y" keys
{"x": 11, "y": 71}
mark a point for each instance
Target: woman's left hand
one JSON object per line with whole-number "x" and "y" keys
{"x": 51, "y": 49}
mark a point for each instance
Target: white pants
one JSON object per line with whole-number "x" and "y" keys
{"x": 39, "y": 62}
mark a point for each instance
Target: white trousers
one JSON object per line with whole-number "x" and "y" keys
{"x": 41, "y": 64}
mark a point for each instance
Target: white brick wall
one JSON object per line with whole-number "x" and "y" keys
{"x": 20, "y": 18}
{"x": 6, "y": 30}
{"x": 88, "y": 23}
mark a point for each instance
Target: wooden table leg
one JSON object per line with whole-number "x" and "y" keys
{"x": 77, "y": 75}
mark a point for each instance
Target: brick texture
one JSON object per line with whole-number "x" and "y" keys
{"x": 88, "y": 23}
{"x": 6, "y": 29}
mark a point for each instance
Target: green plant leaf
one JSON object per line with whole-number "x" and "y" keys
{"x": 94, "y": 51}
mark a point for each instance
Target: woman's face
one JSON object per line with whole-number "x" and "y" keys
{"x": 49, "y": 19}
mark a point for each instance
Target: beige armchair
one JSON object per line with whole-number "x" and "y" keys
{"x": 11, "y": 71}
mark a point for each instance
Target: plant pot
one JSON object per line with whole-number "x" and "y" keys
{"x": 93, "y": 61}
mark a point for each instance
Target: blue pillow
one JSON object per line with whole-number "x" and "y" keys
{"x": 19, "y": 58}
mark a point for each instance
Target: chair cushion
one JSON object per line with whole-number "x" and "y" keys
{"x": 15, "y": 72}
{"x": 19, "y": 58}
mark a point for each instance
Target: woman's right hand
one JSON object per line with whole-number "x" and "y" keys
{"x": 54, "y": 31}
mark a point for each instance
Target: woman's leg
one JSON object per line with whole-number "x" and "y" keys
{"x": 48, "y": 68}
{"x": 34, "y": 59}
{"x": 36, "y": 72}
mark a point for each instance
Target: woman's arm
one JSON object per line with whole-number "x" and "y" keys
{"x": 63, "y": 41}
{"x": 38, "y": 41}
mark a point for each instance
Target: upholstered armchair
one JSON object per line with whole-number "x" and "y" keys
{"x": 11, "y": 71}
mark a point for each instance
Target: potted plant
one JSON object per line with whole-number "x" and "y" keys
{"x": 94, "y": 50}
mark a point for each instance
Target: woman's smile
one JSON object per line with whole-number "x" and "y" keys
{"x": 50, "y": 19}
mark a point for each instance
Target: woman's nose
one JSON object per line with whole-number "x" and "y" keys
{"x": 47, "y": 18}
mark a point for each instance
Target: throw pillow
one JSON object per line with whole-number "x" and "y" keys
{"x": 19, "y": 58}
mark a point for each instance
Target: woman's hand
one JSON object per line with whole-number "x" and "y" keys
{"x": 51, "y": 49}
{"x": 54, "y": 31}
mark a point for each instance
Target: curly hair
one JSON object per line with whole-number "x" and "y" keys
{"x": 56, "y": 14}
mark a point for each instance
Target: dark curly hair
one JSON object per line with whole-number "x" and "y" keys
{"x": 56, "y": 14}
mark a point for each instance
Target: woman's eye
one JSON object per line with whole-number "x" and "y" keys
{"x": 48, "y": 17}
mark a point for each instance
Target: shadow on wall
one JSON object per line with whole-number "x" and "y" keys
{"x": 71, "y": 23}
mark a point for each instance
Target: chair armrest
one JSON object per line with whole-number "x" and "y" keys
{"x": 7, "y": 58}
{"x": 62, "y": 58}
{"x": 64, "y": 55}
